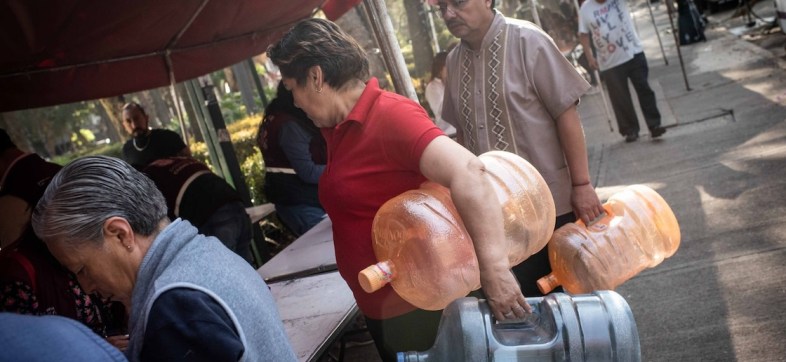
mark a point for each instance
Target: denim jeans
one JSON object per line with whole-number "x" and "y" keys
{"x": 232, "y": 226}
{"x": 299, "y": 218}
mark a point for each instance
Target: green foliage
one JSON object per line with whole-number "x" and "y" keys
{"x": 243, "y": 134}
{"x": 83, "y": 138}
{"x": 112, "y": 150}
{"x": 232, "y": 107}
{"x": 199, "y": 152}
{"x": 253, "y": 168}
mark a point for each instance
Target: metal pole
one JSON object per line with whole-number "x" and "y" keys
{"x": 227, "y": 159}
{"x": 175, "y": 100}
{"x": 257, "y": 82}
{"x": 657, "y": 33}
{"x": 679, "y": 52}
{"x": 605, "y": 99}
{"x": 535, "y": 15}
{"x": 388, "y": 44}
{"x": 194, "y": 91}
{"x": 434, "y": 38}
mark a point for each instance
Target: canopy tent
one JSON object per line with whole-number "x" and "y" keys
{"x": 65, "y": 51}
{"x": 62, "y": 51}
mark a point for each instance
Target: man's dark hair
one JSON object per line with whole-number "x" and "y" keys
{"x": 5, "y": 141}
{"x": 493, "y": 3}
{"x": 132, "y": 105}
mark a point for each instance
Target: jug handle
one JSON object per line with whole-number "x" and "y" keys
{"x": 606, "y": 214}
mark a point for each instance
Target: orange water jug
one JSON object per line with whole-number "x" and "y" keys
{"x": 425, "y": 252}
{"x": 637, "y": 232}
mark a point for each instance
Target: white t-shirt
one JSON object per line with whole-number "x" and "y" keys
{"x": 435, "y": 92}
{"x": 611, "y": 29}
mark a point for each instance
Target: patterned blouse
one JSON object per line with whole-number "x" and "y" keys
{"x": 18, "y": 297}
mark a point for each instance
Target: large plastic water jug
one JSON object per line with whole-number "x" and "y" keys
{"x": 638, "y": 231}
{"x": 424, "y": 250}
{"x": 590, "y": 327}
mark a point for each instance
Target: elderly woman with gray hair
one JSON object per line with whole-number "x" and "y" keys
{"x": 381, "y": 144}
{"x": 188, "y": 295}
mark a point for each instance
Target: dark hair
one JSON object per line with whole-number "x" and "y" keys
{"x": 284, "y": 102}
{"x": 5, "y": 141}
{"x": 492, "y": 3}
{"x": 319, "y": 42}
{"x": 438, "y": 64}
{"x": 132, "y": 105}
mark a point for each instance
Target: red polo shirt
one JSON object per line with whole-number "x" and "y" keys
{"x": 373, "y": 156}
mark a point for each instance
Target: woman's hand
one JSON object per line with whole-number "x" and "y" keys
{"x": 452, "y": 166}
{"x": 504, "y": 295}
{"x": 120, "y": 341}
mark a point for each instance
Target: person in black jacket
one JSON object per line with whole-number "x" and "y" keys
{"x": 207, "y": 201}
{"x": 295, "y": 157}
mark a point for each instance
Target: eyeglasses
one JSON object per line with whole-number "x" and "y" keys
{"x": 446, "y": 7}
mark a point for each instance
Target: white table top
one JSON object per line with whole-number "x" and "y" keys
{"x": 314, "y": 301}
{"x": 311, "y": 253}
{"x": 314, "y": 309}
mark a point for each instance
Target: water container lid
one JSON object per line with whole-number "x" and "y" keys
{"x": 374, "y": 277}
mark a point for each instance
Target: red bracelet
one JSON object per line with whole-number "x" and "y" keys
{"x": 581, "y": 184}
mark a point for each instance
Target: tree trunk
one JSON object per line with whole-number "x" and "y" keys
{"x": 231, "y": 79}
{"x": 9, "y": 122}
{"x": 420, "y": 35}
{"x": 188, "y": 109}
{"x": 245, "y": 85}
{"x": 111, "y": 112}
{"x": 163, "y": 106}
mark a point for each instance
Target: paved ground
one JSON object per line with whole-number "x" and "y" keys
{"x": 721, "y": 166}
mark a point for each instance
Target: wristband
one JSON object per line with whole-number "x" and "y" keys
{"x": 581, "y": 184}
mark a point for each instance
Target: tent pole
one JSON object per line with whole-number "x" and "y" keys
{"x": 391, "y": 52}
{"x": 176, "y": 99}
{"x": 657, "y": 33}
{"x": 679, "y": 52}
{"x": 535, "y": 14}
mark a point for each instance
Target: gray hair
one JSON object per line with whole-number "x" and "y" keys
{"x": 89, "y": 191}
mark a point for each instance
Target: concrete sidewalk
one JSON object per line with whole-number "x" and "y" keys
{"x": 721, "y": 168}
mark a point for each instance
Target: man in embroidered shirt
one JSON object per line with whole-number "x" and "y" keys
{"x": 148, "y": 145}
{"x": 620, "y": 57}
{"x": 509, "y": 88}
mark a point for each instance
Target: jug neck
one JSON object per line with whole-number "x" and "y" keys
{"x": 548, "y": 283}
{"x": 376, "y": 276}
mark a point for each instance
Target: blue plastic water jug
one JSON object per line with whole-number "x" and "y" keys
{"x": 588, "y": 327}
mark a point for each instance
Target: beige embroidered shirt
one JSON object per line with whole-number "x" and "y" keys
{"x": 508, "y": 95}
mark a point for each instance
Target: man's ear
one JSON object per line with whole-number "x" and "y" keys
{"x": 117, "y": 229}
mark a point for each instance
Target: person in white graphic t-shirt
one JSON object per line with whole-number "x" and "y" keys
{"x": 619, "y": 57}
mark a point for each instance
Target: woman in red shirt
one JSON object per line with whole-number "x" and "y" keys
{"x": 381, "y": 144}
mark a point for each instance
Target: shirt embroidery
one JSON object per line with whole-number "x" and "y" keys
{"x": 466, "y": 97}
{"x": 495, "y": 69}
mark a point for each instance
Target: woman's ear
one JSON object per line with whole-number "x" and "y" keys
{"x": 315, "y": 75}
{"x": 117, "y": 229}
